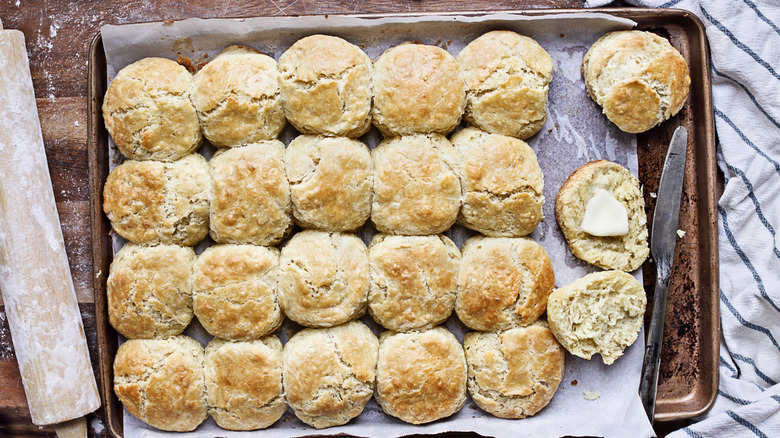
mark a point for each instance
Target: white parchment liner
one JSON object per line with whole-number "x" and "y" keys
{"x": 576, "y": 132}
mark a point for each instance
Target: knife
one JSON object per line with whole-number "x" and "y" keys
{"x": 662, "y": 242}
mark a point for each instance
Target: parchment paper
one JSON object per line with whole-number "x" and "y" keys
{"x": 593, "y": 399}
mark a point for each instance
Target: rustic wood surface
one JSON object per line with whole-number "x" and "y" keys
{"x": 58, "y": 34}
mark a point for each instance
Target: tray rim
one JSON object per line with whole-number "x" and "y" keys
{"x": 666, "y": 410}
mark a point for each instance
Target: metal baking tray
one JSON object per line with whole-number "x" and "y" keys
{"x": 688, "y": 379}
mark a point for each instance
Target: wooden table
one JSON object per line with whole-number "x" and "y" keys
{"x": 58, "y": 34}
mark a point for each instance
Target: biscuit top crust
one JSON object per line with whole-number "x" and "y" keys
{"x": 417, "y": 89}
{"x": 416, "y": 185}
{"x": 507, "y": 76}
{"x": 148, "y": 112}
{"x": 326, "y": 86}
{"x": 638, "y": 78}
{"x": 237, "y": 96}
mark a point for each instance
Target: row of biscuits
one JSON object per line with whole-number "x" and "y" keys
{"x": 417, "y": 184}
{"x": 328, "y": 375}
{"x": 156, "y": 110}
{"x": 321, "y": 279}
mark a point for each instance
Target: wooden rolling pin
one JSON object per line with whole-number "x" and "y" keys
{"x": 40, "y": 301}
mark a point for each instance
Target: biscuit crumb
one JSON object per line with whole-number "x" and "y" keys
{"x": 591, "y": 395}
{"x": 681, "y": 233}
{"x": 653, "y": 195}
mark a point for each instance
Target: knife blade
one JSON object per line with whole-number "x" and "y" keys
{"x": 662, "y": 243}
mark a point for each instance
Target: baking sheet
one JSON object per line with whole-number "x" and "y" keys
{"x": 575, "y": 133}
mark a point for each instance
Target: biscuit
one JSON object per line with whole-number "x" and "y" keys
{"x": 250, "y": 199}
{"x": 514, "y": 373}
{"x": 502, "y": 184}
{"x": 244, "y": 383}
{"x": 329, "y": 373}
{"x": 503, "y": 282}
{"x": 330, "y": 182}
{"x": 326, "y": 86}
{"x": 237, "y": 97}
{"x": 160, "y": 381}
{"x": 416, "y": 185}
{"x": 507, "y": 76}
{"x": 417, "y": 89}
{"x": 599, "y": 313}
{"x": 149, "y": 290}
{"x": 626, "y": 252}
{"x": 235, "y": 291}
{"x": 637, "y": 77}
{"x": 414, "y": 280}
{"x": 420, "y": 376}
{"x": 323, "y": 278}
{"x": 148, "y": 112}
{"x": 150, "y": 202}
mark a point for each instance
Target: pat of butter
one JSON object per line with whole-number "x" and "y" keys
{"x": 605, "y": 216}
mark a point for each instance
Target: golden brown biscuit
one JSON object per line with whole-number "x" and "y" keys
{"x": 414, "y": 280}
{"x": 244, "y": 383}
{"x": 416, "y": 185}
{"x": 503, "y": 282}
{"x": 250, "y": 200}
{"x": 161, "y": 382}
{"x": 323, "y": 278}
{"x": 149, "y": 202}
{"x": 502, "y": 184}
{"x": 148, "y": 112}
{"x": 237, "y": 97}
{"x": 514, "y": 373}
{"x": 330, "y": 182}
{"x": 626, "y": 252}
{"x": 326, "y": 86}
{"x": 600, "y": 313}
{"x": 507, "y": 76}
{"x": 329, "y": 373}
{"x": 638, "y": 78}
{"x": 417, "y": 89}
{"x": 420, "y": 376}
{"x": 149, "y": 290}
{"x": 235, "y": 291}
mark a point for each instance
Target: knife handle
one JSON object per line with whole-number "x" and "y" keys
{"x": 648, "y": 386}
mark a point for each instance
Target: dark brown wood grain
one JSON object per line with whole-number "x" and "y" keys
{"x": 58, "y": 34}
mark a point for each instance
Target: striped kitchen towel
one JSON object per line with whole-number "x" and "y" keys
{"x": 744, "y": 40}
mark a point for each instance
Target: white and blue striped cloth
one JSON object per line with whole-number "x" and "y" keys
{"x": 744, "y": 38}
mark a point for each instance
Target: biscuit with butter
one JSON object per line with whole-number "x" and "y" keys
{"x": 613, "y": 249}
